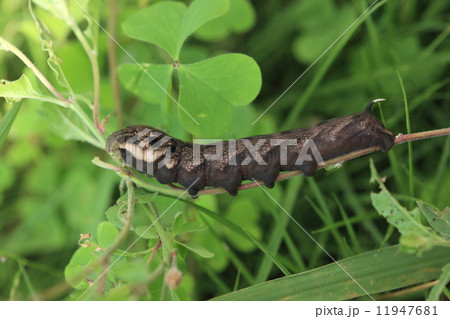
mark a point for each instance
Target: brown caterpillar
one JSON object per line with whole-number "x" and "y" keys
{"x": 227, "y": 164}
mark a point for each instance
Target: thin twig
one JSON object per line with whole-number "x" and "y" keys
{"x": 14, "y": 50}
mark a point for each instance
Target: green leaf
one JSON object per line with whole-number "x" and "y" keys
{"x": 144, "y": 196}
{"x": 244, "y": 213}
{"x": 198, "y": 13}
{"x": 416, "y": 237}
{"x": 201, "y": 105}
{"x": 107, "y": 234}
{"x": 158, "y": 24}
{"x": 168, "y": 24}
{"x": 146, "y": 232}
{"x": 240, "y": 18}
{"x": 64, "y": 9}
{"x": 58, "y": 8}
{"x": 119, "y": 293}
{"x": 14, "y": 91}
{"x": 178, "y": 221}
{"x": 439, "y": 221}
{"x": 145, "y": 83}
{"x": 189, "y": 227}
{"x": 376, "y": 271}
{"x": 132, "y": 272}
{"x": 197, "y": 249}
{"x": 117, "y": 214}
{"x": 66, "y": 124}
{"x": 235, "y": 77}
{"x": 209, "y": 89}
{"x": 181, "y": 227}
{"x": 78, "y": 263}
{"x": 7, "y": 121}
{"x": 114, "y": 214}
{"x": 405, "y": 221}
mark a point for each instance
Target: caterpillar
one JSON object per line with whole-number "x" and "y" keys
{"x": 226, "y": 164}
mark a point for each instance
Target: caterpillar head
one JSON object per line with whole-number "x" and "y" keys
{"x": 142, "y": 147}
{"x": 353, "y": 132}
{"x": 380, "y": 136}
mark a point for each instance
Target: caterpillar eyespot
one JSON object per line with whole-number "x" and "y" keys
{"x": 226, "y": 164}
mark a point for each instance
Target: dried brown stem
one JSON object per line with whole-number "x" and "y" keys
{"x": 155, "y": 249}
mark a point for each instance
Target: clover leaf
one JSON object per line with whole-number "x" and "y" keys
{"x": 168, "y": 24}
{"x": 209, "y": 89}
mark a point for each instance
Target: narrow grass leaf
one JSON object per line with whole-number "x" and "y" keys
{"x": 377, "y": 271}
{"x": 283, "y": 269}
{"x": 348, "y": 225}
{"x": 279, "y": 230}
{"x": 408, "y": 131}
{"x": 444, "y": 279}
{"x": 7, "y": 121}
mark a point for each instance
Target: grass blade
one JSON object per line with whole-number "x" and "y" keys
{"x": 377, "y": 271}
{"x": 274, "y": 260}
{"x": 7, "y": 121}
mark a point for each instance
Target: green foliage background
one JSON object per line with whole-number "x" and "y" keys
{"x": 50, "y": 192}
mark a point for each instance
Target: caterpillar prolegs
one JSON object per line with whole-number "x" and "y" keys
{"x": 226, "y": 164}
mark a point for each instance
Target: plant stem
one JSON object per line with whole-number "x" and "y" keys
{"x": 14, "y": 50}
{"x": 86, "y": 120}
{"x": 400, "y": 139}
{"x": 167, "y": 244}
{"x": 214, "y": 191}
{"x": 126, "y": 174}
{"x": 154, "y": 250}
{"x": 60, "y": 99}
{"x": 92, "y": 55}
{"x": 408, "y": 130}
{"x": 112, "y": 61}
